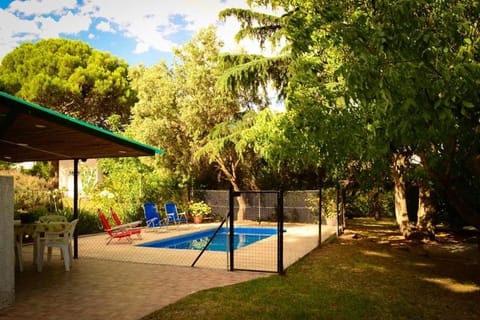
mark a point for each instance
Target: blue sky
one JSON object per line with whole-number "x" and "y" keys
{"x": 139, "y": 31}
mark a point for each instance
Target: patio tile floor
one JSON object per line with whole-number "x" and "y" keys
{"x": 96, "y": 289}
{"x": 99, "y": 286}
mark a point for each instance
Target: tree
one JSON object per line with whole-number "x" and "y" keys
{"x": 405, "y": 71}
{"x": 178, "y": 107}
{"x": 155, "y": 117}
{"x": 413, "y": 66}
{"x": 70, "y": 77}
{"x": 298, "y": 145}
{"x": 229, "y": 149}
{"x": 201, "y": 105}
{"x": 254, "y": 73}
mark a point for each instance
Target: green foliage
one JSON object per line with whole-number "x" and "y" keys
{"x": 127, "y": 184}
{"x": 368, "y": 79}
{"x": 178, "y": 107}
{"x": 39, "y": 169}
{"x": 70, "y": 77}
{"x": 34, "y": 198}
{"x": 263, "y": 26}
{"x": 255, "y": 73}
{"x": 87, "y": 178}
{"x": 410, "y": 91}
{"x": 363, "y": 204}
{"x": 32, "y": 192}
{"x": 329, "y": 202}
{"x": 5, "y": 165}
{"x": 358, "y": 205}
{"x": 231, "y": 146}
{"x": 88, "y": 222}
{"x": 199, "y": 208}
{"x": 33, "y": 214}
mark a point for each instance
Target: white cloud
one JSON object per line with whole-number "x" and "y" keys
{"x": 149, "y": 22}
{"x": 42, "y": 7}
{"x": 145, "y": 21}
{"x": 13, "y": 30}
{"x": 105, "y": 27}
{"x": 152, "y": 24}
{"x": 67, "y": 24}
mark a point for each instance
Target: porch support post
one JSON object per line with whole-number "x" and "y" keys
{"x": 75, "y": 206}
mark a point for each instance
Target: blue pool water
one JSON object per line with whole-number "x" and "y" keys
{"x": 198, "y": 240}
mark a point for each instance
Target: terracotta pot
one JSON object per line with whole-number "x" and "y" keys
{"x": 197, "y": 219}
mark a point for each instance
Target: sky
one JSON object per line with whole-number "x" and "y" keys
{"x": 138, "y": 31}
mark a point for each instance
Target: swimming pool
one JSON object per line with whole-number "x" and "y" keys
{"x": 198, "y": 240}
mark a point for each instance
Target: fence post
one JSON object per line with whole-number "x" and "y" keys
{"x": 338, "y": 205}
{"x": 75, "y": 206}
{"x": 320, "y": 202}
{"x": 280, "y": 214}
{"x": 231, "y": 211}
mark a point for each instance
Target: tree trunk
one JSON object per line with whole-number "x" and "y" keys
{"x": 375, "y": 205}
{"x": 242, "y": 204}
{"x": 230, "y": 175}
{"x": 401, "y": 213}
{"x": 426, "y": 211}
{"x": 242, "y": 208}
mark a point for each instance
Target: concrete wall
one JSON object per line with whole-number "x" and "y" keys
{"x": 7, "y": 258}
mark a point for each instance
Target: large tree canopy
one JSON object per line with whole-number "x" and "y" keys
{"x": 70, "y": 77}
{"x": 410, "y": 69}
{"x": 369, "y": 81}
{"x": 179, "y": 106}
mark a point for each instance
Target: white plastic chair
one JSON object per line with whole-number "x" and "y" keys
{"x": 62, "y": 240}
{"x": 50, "y": 218}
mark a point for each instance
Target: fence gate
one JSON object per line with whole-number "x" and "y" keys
{"x": 256, "y": 231}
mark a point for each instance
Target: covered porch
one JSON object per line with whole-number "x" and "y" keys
{"x": 29, "y": 132}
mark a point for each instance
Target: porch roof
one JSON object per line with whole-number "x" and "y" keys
{"x": 30, "y": 132}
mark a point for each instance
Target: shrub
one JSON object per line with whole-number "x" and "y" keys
{"x": 30, "y": 191}
{"x": 199, "y": 208}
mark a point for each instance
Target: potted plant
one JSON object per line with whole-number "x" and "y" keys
{"x": 198, "y": 210}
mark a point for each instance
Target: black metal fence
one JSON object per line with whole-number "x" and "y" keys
{"x": 261, "y": 224}
{"x": 257, "y": 231}
{"x": 263, "y": 209}
{"x": 299, "y": 206}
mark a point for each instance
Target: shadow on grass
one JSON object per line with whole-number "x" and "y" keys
{"x": 369, "y": 272}
{"x": 447, "y": 268}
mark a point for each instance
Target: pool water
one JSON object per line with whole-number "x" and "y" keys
{"x": 198, "y": 240}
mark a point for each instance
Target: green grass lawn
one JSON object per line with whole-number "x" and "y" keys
{"x": 368, "y": 273}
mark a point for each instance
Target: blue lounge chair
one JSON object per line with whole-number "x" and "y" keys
{"x": 173, "y": 215}
{"x": 152, "y": 216}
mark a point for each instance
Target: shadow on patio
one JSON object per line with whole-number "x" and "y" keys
{"x": 97, "y": 289}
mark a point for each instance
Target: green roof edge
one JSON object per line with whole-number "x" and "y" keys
{"x": 82, "y": 125}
